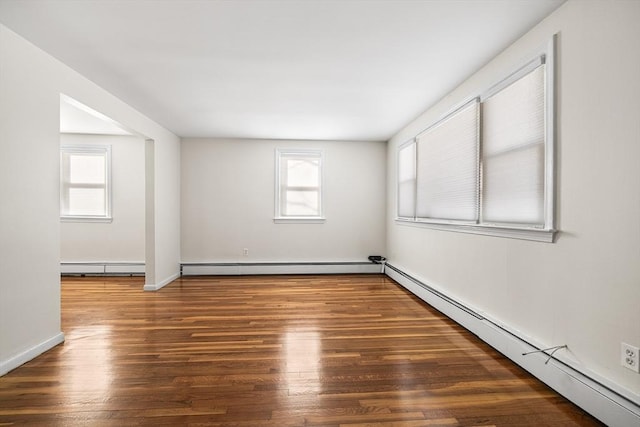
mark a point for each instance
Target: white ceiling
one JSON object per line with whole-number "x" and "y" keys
{"x": 287, "y": 69}
{"x": 78, "y": 118}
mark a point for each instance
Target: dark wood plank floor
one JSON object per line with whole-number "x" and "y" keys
{"x": 270, "y": 351}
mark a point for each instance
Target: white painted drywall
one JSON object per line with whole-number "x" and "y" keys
{"x": 228, "y": 203}
{"x": 31, "y": 82}
{"x": 122, "y": 239}
{"x": 166, "y": 215}
{"x": 29, "y": 211}
{"x": 583, "y": 290}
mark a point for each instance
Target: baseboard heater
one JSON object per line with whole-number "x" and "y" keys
{"x": 610, "y": 404}
{"x": 260, "y": 268}
{"x": 102, "y": 268}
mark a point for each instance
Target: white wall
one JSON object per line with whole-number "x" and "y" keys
{"x": 123, "y": 239}
{"x": 583, "y": 290}
{"x": 228, "y": 203}
{"x": 31, "y": 82}
{"x": 166, "y": 213}
{"x": 29, "y": 212}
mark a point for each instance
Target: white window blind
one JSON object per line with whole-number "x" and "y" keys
{"x": 407, "y": 181}
{"x": 84, "y": 182}
{"x": 488, "y": 167}
{"x": 513, "y": 152}
{"x": 447, "y": 168}
{"x": 299, "y": 192}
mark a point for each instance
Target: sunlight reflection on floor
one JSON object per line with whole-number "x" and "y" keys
{"x": 91, "y": 347}
{"x": 302, "y": 352}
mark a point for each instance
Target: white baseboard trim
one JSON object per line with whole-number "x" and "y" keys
{"x": 162, "y": 284}
{"x": 22, "y": 358}
{"x": 611, "y": 406}
{"x": 102, "y": 267}
{"x": 239, "y": 269}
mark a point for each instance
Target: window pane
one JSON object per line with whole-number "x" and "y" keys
{"x": 87, "y": 168}
{"x": 406, "y": 199}
{"x": 516, "y": 180}
{"x": 86, "y": 201}
{"x": 514, "y": 117}
{"x": 513, "y": 152}
{"x": 302, "y": 203}
{"x": 447, "y": 163}
{"x": 303, "y": 172}
{"x": 407, "y": 181}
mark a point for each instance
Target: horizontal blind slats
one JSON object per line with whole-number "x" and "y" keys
{"x": 513, "y": 129}
{"x": 407, "y": 181}
{"x": 447, "y": 164}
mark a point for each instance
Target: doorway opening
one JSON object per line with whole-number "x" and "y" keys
{"x": 106, "y": 195}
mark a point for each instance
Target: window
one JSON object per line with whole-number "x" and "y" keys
{"x": 407, "y": 181}
{"x": 487, "y": 167}
{"x": 447, "y": 161}
{"x": 84, "y": 183}
{"x": 513, "y": 152}
{"x": 299, "y": 185}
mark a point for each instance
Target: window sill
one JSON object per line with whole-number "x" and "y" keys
{"x": 299, "y": 220}
{"x": 533, "y": 234}
{"x": 85, "y": 219}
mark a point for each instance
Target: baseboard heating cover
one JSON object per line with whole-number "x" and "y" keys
{"x": 102, "y": 268}
{"x": 258, "y": 268}
{"x": 608, "y": 403}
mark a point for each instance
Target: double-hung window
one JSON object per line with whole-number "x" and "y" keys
{"x": 85, "y": 183}
{"x": 299, "y": 185}
{"x": 407, "y": 181}
{"x": 447, "y": 163}
{"x": 513, "y": 150}
{"x": 487, "y": 167}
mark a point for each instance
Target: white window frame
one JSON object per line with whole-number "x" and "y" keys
{"x": 280, "y": 217}
{"x": 64, "y": 186}
{"x": 545, "y": 233}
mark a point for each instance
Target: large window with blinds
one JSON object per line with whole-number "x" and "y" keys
{"x": 487, "y": 167}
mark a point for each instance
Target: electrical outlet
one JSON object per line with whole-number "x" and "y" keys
{"x": 245, "y": 252}
{"x": 630, "y": 357}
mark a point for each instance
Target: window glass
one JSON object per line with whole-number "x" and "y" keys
{"x": 87, "y": 168}
{"x": 86, "y": 201}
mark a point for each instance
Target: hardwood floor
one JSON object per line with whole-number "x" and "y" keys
{"x": 270, "y": 351}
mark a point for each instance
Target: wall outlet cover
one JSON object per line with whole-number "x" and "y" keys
{"x": 630, "y": 357}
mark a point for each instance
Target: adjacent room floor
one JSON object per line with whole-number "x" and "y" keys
{"x": 349, "y": 350}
